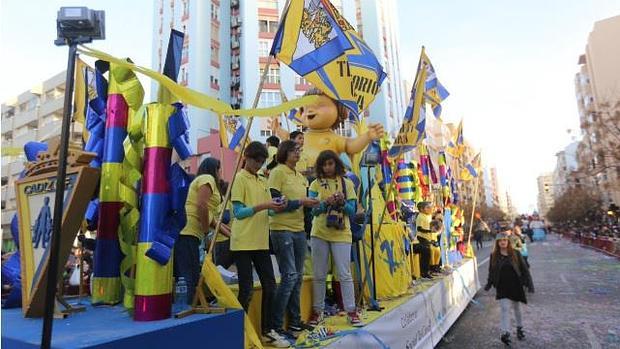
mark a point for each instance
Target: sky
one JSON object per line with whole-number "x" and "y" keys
{"x": 509, "y": 66}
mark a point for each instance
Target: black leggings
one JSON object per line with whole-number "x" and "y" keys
{"x": 187, "y": 262}
{"x": 261, "y": 259}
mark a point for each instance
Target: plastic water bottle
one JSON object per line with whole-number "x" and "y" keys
{"x": 180, "y": 294}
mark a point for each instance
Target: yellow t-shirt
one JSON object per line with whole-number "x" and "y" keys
{"x": 424, "y": 221}
{"x": 250, "y": 233}
{"x": 302, "y": 164}
{"x": 317, "y": 141}
{"x": 193, "y": 226}
{"x": 325, "y": 188}
{"x": 293, "y": 185}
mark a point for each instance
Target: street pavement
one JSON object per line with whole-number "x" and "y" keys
{"x": 576, "y": 304}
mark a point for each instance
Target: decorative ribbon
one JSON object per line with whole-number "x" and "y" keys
{"x": 443, "y": 178}
{"x": 96, "y": 116}
{"x": 133, "y": 147}
{"x": 162, "y": 247}
{"x": 196, "y": 98}
{"x": 178, "y": 134}
{"x": 154, "y": 280}
{"x": 125, "y": 95}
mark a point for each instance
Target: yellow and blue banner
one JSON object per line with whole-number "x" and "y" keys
{"x": 456, "y": 146}
{"x": 319, "y": 44}
{"x": 472, "y": 169}
{"x": 426, "y": 89}
{"x": 231, "y": 131}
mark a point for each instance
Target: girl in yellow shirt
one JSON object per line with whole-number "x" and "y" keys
{"x": 331, "y": 233}
{"x": 201, "y": 209}
{"x": 287, "y": 233}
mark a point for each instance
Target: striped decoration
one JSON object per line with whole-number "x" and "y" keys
{"x": 153, "y": 292}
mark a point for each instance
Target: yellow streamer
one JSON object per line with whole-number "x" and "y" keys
{"x": 130, "y": 215}
{"x": 196, "y": 98}
{"x": 226, "y": 298}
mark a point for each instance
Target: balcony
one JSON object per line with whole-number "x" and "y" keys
{"x": 16, "y": 167}
{"x": 24, "y": 118}
{"x": 50, "y": 129}
{"x": 8, "y": 194}
{"x": 7, "y": 125}
{"x": 51, "y": 106}
{"x": 7, "y": 215}
{"x": 18, "y": 142}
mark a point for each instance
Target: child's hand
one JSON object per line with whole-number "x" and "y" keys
{"x": 375, "y": 131}
{"x": 309, "y": 202}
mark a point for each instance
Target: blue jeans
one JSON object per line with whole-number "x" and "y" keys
{"x": 290, "y": 250}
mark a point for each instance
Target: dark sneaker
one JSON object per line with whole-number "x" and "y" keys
{"x": 520, "y": 333}
{"x": 315, "y": 318}
{"x": 274, "y": 339}
{"x": 354, "y": 319}
{"x": 505, "y": 338}
{"x": 287, "y": 335}
{"x": 300, "y": 327}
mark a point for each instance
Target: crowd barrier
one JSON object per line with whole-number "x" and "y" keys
{"x": 604, "y": 244}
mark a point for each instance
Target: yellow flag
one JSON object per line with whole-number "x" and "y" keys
{"x": 84, "y": 91}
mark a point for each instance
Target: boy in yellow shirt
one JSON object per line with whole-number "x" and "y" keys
{"x": 249, "y": 238}
{"x": 425, "y": 236}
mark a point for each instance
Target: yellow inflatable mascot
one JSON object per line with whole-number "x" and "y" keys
{"x": 322, "y": 118}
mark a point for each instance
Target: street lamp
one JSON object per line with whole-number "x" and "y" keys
{"x": 74, "y": 25}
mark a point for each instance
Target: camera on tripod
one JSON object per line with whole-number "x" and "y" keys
{"x": 80, "y": 25}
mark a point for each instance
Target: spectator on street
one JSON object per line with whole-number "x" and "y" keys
{"x": 508, "y": 273}
{"x": 479, "y": 230}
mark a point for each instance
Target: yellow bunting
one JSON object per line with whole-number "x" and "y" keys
{"x": 196, "y": 98}
{"x": 125, "y": 82}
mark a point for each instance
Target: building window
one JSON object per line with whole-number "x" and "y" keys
{"x": 263, "y": 25}
{"x": 215, "y": 11}
{"x": 300, "y": 80}
{"x": 266, "y": 26}
{"x": 215, "y": 54}
{"x": 263, "y": 48}
{"x": 269, "y": 99}
{"x": 268, "y": 4}
{"x": 215, "y": 30}
{"x": 273, "y": 26}
{"x": 273, "y": 75}
{"x": 265, "y": 133}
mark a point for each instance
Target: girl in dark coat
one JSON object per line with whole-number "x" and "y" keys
{"x": 508, "y": 273}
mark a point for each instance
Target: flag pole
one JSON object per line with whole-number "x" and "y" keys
{"x": 284, "y": 99}
{"x": 244, "y": 142}
{"x": 244, "y": 139}
{"x": 473, "y": 209}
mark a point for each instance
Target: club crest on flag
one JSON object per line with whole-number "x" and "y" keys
{"x": 319, "y": 44}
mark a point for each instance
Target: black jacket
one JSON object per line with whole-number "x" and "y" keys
{"x": 522, "y": 271}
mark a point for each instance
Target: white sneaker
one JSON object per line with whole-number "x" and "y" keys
{"x": 274, "y": 339}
